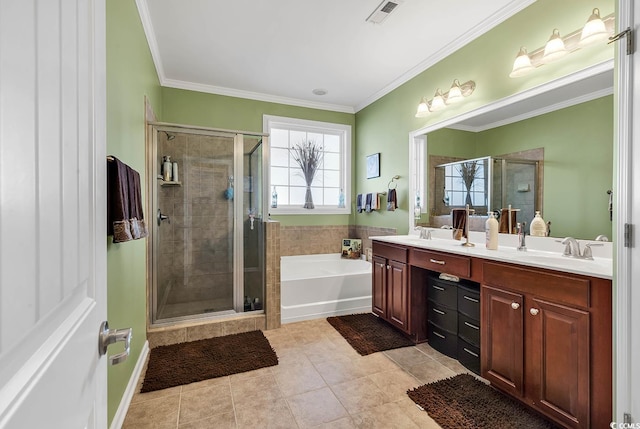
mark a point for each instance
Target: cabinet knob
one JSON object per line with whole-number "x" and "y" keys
{"x": 534, "y": 311}
{"x": 515, "y": 305}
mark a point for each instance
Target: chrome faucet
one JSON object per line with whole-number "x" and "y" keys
{"x": 522, "y": 246}
{"x": 424, "y": 232}
{"x": 572, "y": 247}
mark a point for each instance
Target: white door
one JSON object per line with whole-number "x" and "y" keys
{"x": 52, "y": 213}
{"x": 627, "y": 314}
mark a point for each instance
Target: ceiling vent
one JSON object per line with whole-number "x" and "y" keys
{"x": 383, "y": 11}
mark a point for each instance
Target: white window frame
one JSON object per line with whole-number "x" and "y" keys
{"x": 344, "y": 131}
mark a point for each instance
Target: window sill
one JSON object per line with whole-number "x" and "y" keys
{"x": 292, "y": 210}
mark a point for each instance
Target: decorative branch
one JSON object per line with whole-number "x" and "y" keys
{"x": 469, "y": 171}
{"x": 308, "y": 155}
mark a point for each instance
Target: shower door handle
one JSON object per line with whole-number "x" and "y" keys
{"x": 162, "y": 217}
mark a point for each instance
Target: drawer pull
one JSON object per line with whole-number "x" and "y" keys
{"x": 472, "y": 326}
{"x": 438, "y": 335}
{"x": 435, "y": 261}
{"x": 515, "y": 305}
{"x": 437, "y": 287}
{"x": 534, "y": 311}
{"x": 439, "y": 311}
{"x": 468, "y": 298}
{"x": 470, "y": 352}
{"x": 380, "y": 265}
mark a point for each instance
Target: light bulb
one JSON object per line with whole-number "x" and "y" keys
{"x": 438, "y": 102}
{"x": 594, "y": 30}
{"x": 522, "y": 65}
{"x": 554, "y": 49}
{"x": 423, "y": 108}
{"x": 455, "y": 93}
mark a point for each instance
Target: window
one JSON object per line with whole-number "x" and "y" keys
{"x": 331, "y": 177}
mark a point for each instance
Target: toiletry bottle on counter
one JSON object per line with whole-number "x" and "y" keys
{"x": 538, "y": 227}
{"x": 491, "y": 232}
{"x": 166, "y": 168}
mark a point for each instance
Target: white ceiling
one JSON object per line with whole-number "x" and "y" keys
{"x": 280, "y": 50}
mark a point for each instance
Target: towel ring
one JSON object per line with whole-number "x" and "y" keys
{"x": 396, "y": 177}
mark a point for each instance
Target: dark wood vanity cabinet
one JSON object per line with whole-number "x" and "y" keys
{"x": 540, "y": 343}
{"x": 392, "y": 297}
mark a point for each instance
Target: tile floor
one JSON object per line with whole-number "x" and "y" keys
{"x": 320, "y": 382}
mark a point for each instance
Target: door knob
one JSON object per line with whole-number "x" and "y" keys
{"x": 515, "y": 305}
{"x": 109, "y": 336}
{"x": 162, "y": 217}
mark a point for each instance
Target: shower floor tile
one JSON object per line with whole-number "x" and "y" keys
{"x": 317, "y": 369}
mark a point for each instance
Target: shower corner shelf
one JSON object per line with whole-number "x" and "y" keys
{"x": 170, "y": 183}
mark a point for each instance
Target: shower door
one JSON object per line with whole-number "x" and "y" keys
{"x": 515, "y": 183}
{"x": 207, "y": 214}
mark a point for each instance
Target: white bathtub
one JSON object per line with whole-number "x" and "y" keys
{"x": 316, "y": 286}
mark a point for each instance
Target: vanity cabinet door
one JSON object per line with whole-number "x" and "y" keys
{"x": 558, "y": 376}
{"x": 379, "y": 286}
{"x": 398, "y": 295}
{"x": 502, "y": 339}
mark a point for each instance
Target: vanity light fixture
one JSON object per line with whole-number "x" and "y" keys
{"x": 595, "y": 30}
{"x": 439, "y": 101}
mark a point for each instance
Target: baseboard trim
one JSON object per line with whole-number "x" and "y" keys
{"x": 121, "y": 413}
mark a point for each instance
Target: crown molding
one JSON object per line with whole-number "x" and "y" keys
{"x": 149, "y": 32}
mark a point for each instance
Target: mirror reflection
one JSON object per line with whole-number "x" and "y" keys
{"x": 559, "y": 163}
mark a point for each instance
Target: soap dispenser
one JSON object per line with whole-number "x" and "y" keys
{"x": 491, "y": 227}
{"x": 538, "y": 227}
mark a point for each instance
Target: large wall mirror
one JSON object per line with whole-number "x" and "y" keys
{"x": 549, "y": 149}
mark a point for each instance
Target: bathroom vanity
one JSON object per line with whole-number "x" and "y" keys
{"x": 545, "y": 320}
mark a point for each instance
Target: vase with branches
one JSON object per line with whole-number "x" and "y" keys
{"x": 308, "y": 155}
{"x": 469, "y": 171}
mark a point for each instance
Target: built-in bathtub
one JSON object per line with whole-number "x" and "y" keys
{"x": 316, "y": 286}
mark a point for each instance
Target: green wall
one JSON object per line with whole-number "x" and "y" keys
{"x": 218, "y": 111}
{"x": 130, "y": 76}
{"x": 384, "y": 126}
{"x": 575, "y": 179}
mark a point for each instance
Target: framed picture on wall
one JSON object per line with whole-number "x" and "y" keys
{"x": 373, "y": 165}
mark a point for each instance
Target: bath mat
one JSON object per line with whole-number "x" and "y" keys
{"x": 186, "y": 363}
{"x": 465, "y": 402}
{"x": 368, "y": 334}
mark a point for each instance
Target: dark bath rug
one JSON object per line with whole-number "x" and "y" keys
{"x": 186, "y": 363}
{"x": 465, "y": 402}
{"x": 368, "y": 334}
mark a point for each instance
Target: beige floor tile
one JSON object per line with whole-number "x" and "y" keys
{"x": 265, "y": 413}
{"x": 418, "y": 416}
{"x": 220, "y": 421}
{"x": 218, "y": 381}
{"x": 359, "y": 395}
{"x": 244, "y": 391}
{"x": 298, "y": 379}
{"x": 343, "y": 423}
{"x": 394, "y": 383}
{"x": 140, "y": 397}
{"x": 430, "y": 371}
{"x": 316, "y": 407}
{"x": 375, "y": 362}
{"x": 387, "y": 416}
{"x": 407, "y": 356}
{"x": 158, "y": 413}
{"x": 339, "y": 370}
{"x": 205, "y": 402}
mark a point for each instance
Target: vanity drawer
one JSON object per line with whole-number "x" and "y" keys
{"x": 469, "y": 301}
{"x": 389, "y": 251}
{"x": 443, "y": 292}
{"x": 443, "y": 341}
{"x": 469, "y": 355}
{"x": 469, "y": 330}
{"x": 441, "y": 262}
{"x": 560, "y": 287}
{"x": 442, "y": 316}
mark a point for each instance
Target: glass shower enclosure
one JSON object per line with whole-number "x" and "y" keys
{"x": 207, "y": 242}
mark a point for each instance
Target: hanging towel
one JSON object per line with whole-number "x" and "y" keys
{"x": 125, "y": 220}
{"x": 504, "y": 221}
{"x": 367, "y": 204}
{"x": 359, "y": 203}
{"x": 392, "y": 200}
{"x": 375, "y": 202}
{"x": 458, "y": 221}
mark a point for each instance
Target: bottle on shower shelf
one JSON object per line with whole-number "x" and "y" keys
{"x": 166, "y": 168}
{"x": 274, "y": 198}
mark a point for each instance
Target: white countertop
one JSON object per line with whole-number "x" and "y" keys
{"x": 538, "y": 252}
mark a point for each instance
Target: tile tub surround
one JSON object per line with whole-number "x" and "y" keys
{"x": 320, "y": 381}
{"x": 311, "y": 240}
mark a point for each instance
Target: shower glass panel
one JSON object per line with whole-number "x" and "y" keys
{"x": 208, "y": 238}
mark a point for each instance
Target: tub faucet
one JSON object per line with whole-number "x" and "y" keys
{"x": 424, "y": 232}
{"x": 522, "y": 246}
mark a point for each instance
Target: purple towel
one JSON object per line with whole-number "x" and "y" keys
{"x": 392, "y": 200}
{"x": 359, "y": 203}
{"x": 125, "y": 220}
{"x": 368, "y": 202}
